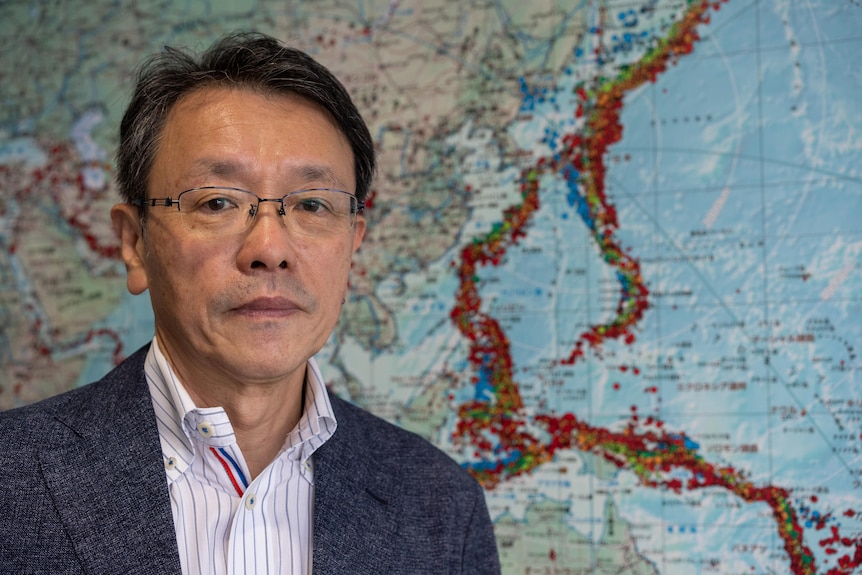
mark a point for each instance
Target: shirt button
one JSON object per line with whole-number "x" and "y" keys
{"x": 205, "y": 428}
{"x": 250, "y": 501}
{"x": 170, "y": 463}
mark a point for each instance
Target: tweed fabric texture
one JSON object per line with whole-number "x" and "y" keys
{"x": 85, "y": 492}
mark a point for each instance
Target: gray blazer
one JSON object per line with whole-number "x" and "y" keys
{"x": 83, "y": 490}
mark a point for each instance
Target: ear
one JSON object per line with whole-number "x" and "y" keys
{"x": 129, "y": 230}
{"x": 358, "y": 231}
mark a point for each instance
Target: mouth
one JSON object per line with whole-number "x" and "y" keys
{"x": 267, "y": 308}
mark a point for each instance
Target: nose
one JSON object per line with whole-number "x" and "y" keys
{"x": 266, "y": 245}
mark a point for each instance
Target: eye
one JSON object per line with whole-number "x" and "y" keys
{"x": 217, "y": 204}
{"x": 212, "y": 201}
{"x": 312, "y": 205}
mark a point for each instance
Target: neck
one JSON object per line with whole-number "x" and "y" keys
{"x": 262, "y": 414}
{"x": 261, "y": 427}
{"x": 261, "y": 418}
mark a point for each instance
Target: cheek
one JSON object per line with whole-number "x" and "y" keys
{"x": 327, "y": 273}
{"x": 328, "y": 263}
{"x": 179, "y": 271}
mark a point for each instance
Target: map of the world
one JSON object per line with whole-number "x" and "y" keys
{"x": 613, "y": 266}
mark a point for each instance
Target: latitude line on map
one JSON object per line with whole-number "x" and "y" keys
{"x": 741, "y": 186}
{"x": 764, "y": 159}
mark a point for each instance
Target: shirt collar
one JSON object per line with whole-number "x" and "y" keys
{"x": 178, "y": 418}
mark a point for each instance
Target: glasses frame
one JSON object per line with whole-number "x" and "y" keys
{"x": 169, "y": 201}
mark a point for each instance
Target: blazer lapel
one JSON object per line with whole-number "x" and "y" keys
{"x": 105, "y": 472}
{"x": 354, "y": 522}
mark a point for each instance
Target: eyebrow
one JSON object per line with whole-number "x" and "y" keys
{"x": 306, "y": 173}
{"x": 325, "y": 174}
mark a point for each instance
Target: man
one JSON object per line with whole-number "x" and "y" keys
{"x": 217, "y": 448}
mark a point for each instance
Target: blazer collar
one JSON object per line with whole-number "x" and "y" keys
{"x": 354, "y": 521}
{"x": 105, "y": 472}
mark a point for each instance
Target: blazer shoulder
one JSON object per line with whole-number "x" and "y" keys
{"x": 79, "y": 408}
{"x": 393, "y": 449}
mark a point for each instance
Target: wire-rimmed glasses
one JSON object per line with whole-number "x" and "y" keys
{"x": 220, "y": 211}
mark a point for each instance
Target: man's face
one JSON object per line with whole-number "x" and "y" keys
{"x": 251, "y": 307}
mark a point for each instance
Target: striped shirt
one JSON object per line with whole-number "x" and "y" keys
{"x": 225, "y": 522}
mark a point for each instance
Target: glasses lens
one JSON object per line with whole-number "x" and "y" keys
{"x": 320, "y": 212}
{"x": 217, "y": 211}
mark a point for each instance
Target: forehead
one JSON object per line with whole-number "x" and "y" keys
{"x": 238, "y": 132}
{"x": 214, "y": 95}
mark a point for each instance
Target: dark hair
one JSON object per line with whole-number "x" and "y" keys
{"x": 245, "y": 60}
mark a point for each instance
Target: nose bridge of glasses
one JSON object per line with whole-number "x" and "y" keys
{"x": 279, "y": 208}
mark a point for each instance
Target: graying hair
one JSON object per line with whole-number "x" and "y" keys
{"x": 247, "y": 60}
